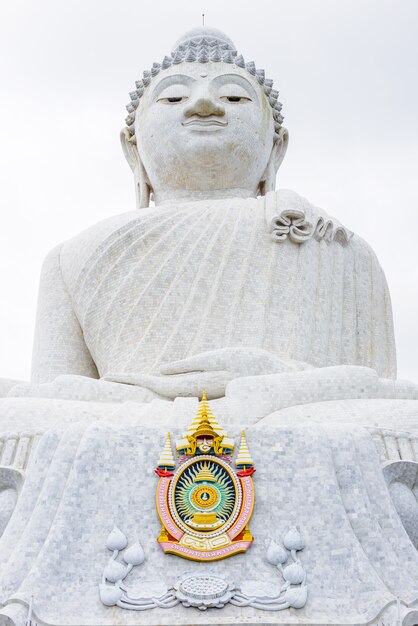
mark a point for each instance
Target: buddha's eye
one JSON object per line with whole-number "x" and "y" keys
{"x": 173, "y": 99}
{"x": 235, "y": 99}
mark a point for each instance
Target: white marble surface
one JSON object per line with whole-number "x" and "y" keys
{"x": 141, "y": 290}
{"x": 274, "y": 307}
{"x": 54, "y": 547}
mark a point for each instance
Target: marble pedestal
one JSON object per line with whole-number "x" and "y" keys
{"x": 88, "y": 475}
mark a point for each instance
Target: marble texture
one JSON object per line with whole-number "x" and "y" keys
{"x": 271, "y": 304}
{"x": 40, "y": 556}
{"x": 207, "y": 589}
{"x": 141, "y": 290}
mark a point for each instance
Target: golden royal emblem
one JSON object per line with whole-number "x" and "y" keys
{"x": 205, "y": 504}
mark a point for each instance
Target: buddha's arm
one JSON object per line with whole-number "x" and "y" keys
{"x": 59, "y": 346}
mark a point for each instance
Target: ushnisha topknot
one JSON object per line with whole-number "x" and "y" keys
{"x": 203, "y": 45}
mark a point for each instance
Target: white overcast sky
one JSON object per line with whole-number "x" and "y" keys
{"x": 347, "y": 72}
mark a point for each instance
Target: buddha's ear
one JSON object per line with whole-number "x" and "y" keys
{"x": 268, "y": 181}
{"x": 142, "y": 187}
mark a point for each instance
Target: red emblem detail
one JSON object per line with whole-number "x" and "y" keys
{"x": 247, "y": 472}
{"x": 163, "y": 473}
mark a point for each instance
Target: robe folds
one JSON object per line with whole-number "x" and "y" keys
{"x": 156, "y": 285}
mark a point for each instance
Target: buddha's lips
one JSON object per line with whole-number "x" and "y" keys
{"x": 210, "y": 121}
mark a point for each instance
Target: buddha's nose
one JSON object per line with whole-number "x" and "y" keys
{"x": 204, "y": 105}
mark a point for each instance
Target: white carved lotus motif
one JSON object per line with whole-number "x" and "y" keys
{"x": 114, "y": 571}
{"x": 294, "y": 574}
{"x": 296, "y": 596}
{"x": 293, "y": 539}
{"x": 207, "y": 589}
{"x": 116, "y": 540}
{"x": 110, "y": 595}
{"x": 134, "y": 555}
{"x": 203, "y": 591}
{"x": 276, "y": 554}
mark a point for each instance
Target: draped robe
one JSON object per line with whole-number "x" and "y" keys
{"x": 152, "y": 286}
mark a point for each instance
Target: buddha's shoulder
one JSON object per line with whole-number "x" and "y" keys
{"x": 76, "y": 252}
{"x": 285, "y": 203}
{"x": 288, "y": 202}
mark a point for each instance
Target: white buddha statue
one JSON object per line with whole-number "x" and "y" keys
{"x": 202, "y": 287}
{"x": 215, "y": 281}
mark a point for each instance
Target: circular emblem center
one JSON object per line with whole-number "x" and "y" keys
{"x": 205, "y": 496}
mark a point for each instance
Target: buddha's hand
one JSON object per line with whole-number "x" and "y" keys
{"x": 211, "y": 371}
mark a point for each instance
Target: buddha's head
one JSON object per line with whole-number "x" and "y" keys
{"x": 203, "y": 124}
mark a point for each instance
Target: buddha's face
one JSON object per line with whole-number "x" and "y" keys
{"x": 204, "y": 126}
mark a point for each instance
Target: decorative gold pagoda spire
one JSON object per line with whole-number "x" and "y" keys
{"x": 204, "y": 414}
{"x": 243, "y": 458}
{"x": 205, "y": 424}
{"x": 166, "y": 458}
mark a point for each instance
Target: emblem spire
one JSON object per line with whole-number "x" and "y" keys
{"x": 166, "y": 460}
{"x": 243, "y": 460}
{"x": 204, "y": 433}
{"x": 204, "y": 414}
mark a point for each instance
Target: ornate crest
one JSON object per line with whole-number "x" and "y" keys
{"x": 204, "y": 504}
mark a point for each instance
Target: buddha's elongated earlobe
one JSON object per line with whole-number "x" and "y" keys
{"x": 142, "y": 186}
{"x": 268, "y": 181}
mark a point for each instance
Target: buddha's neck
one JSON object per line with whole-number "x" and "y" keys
{"x": 174, "y": 196}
